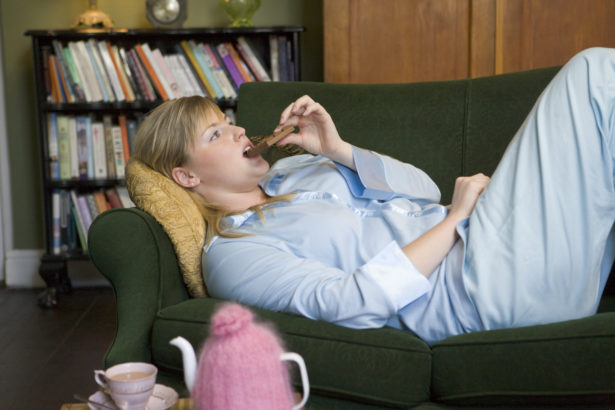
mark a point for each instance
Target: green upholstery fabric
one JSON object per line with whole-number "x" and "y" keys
{"x": 445, "y": 128}
{"x": 567, "y": 363}
{"x": 374, "y": 363}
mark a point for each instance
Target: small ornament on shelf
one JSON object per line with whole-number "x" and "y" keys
{"x": 240, "y": 11}
{"x": 93, "y": 19}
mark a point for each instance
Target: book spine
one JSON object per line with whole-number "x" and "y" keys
{"x": 230, "y": 64}
{"x": 197, "y": 68}
{"x": 255, "y": 64}
{"x": 52, "y": 146}
{"x": 100, "y": 152}
{"x": 113, "y": 198}
{"x": 283, "y": 60}
{"x": 109, "y": 70}
{"x": 139, "y": 74}
{"x": 97, "y": 68}
{"x": 74, "y": 73}
{"x": 82, "y": 147}
{"x": 196, "y": 86}
{"x": 109, "y": 149}
{"x": 87, "y": 120}
{"x": 150, "y": 72}
{"x": 90, "y": 87}
{"x": 55, "y": 216}
{"x": 115, "y": 59}
{"x": 223, "y": 75}
{"x": 241, "y": 66}
{"x": 128, "y": 72}
{"x": 45, "y": 53}
{"x": 64, "y": 74}
{"x": 63, "y": 147}
{"x": 157, "y": 70}
{"x": 74, "y": 151}
{"x": 121, "y": 119}
{"x": 166, "y": 72}
{"x": 274, "y": 58}
{"x": 118, "y": 151}
{"x": 216, "y": 91}
{"x": 185, "y": 88}
{"x": 89, "y": 198}
{"x": 57, "y": 87}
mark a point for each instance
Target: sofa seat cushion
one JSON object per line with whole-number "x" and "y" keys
{"x": 561, "y": 363}
{"x": 380, "y": 366}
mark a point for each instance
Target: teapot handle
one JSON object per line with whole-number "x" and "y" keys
{"x": 304, "y": 376}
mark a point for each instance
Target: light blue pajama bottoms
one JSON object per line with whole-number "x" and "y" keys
{"x": 540, "y": 240}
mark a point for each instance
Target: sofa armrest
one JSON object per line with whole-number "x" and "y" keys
{"x": 130, "y": 248}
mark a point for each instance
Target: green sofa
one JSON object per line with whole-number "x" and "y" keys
{"x": 448, "y": 129}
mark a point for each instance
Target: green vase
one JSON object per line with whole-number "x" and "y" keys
{"x": 240, "y": 11}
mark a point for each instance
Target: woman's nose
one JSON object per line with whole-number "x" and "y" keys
{"x": 239, "y": 132}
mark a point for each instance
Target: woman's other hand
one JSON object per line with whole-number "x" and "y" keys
{"x": 317, "y": 132}
{"x": 466, "y": 193}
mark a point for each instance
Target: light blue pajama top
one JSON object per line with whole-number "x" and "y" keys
{"x": 334, "y": 251}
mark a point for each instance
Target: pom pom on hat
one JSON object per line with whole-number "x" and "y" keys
{"x": 239, "y": 365}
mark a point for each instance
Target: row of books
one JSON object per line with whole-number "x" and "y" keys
{"x": 85, "y": 147}
{"x": 96, "y": 70}
{"x": 73, "y": 213}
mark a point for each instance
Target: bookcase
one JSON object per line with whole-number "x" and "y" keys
{"x": 93, "y": 88}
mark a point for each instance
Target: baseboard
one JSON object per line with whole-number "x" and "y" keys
{"x": 22, "y": 271}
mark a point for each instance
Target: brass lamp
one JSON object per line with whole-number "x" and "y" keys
{"x": 93, "y": 18}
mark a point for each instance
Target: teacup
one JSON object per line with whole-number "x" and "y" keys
{"x": 130, "y": 377}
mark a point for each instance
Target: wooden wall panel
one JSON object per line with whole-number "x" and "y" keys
{"x": 395, "y": 40}
{"x": 542, "y": 33}
{"x": 376, "y": 41}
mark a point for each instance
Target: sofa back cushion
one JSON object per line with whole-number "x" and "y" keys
{"x": 446, "y": 128}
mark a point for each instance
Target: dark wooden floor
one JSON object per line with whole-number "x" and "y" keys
{"x": 47, "y": 356}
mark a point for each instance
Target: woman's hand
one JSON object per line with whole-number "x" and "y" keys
{"x": 317, "y": 132}
{"x": 466, "y": 193}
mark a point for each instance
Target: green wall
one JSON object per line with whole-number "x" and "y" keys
{"x": 18, "y": 16}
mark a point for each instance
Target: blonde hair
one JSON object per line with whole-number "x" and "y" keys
{"x": 164, "y": 140}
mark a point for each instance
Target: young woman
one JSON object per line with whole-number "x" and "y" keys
{"x": 359, "y": 239}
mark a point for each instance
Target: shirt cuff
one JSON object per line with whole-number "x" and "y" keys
{"x": 396, "y": 276}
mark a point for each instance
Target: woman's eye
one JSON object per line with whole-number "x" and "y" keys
{"x": 215, "y": 136}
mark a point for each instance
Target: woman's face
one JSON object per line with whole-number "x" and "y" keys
{"x": 218, "y": 161}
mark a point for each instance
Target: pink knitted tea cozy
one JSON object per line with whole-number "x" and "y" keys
{"x": 239, "y": 365}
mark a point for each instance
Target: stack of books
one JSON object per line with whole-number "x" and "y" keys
{"x": 98, "y": 71}
{"x": 73, "y": 213}
{"x": 82, "y": 147}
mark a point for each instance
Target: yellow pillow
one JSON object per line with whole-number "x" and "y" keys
{"x": 175, "y": 210}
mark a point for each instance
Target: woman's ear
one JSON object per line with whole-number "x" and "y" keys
{"x": 184, "y": 177}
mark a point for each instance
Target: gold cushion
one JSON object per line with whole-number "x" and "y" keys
{"x": 175, "y": 210}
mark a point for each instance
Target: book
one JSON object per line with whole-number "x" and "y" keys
{"x": 121, "y": 119}
{"x": 101, "y": 201}
{"x": 239, "y": 63}
{"x": 63, "y": 146}
{"x": 192, "y": 65}
{"x": 67, "y": 79}
{"x": 131, "y": 127}
{"x": 86, "y": 72}
{"x": 57, "y": 92}
{"x": 99, "y": 70}
{"x": 52, "y": 146}
{"x": 82, "y": 147}
{"x": 45, "y": 53}
{"x": 74, "y": 150}
{"x": 215, "y": 90}
{"x": 124, "y": 197}
{"x": 99, "y": 148}
{"x": 252, "y": 59}
{"x": 113, "y": 198}
{"x": 191, "y": 75}
{"x": 65, "y": 222}
{"x": 274, "y": 58}
{"x": 109, "y": 148}
{"x": 80, "y": 219}
{"x": 140, "y": 76}
{"x": 109, "y": 68}
{"x": 74, "y": 73}
{"x": 87, "y": 120}
{"x": 185, "y": 88}
{"x": 129, "y": 74}
{"x": 220, "y": 71}
{"x": 151, "y": 73}
{"x": 227, "y": 60}
{"x": 55, "y": 217}
{"x": 89, "y": 198}
{"x": 115, "y": 59}
{"x": 118, "y": 152}
{"x": 282, "y": 58}
{"x": 169, "y": 79}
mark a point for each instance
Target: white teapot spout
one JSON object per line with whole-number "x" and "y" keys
{"x": 189, "y": 359}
